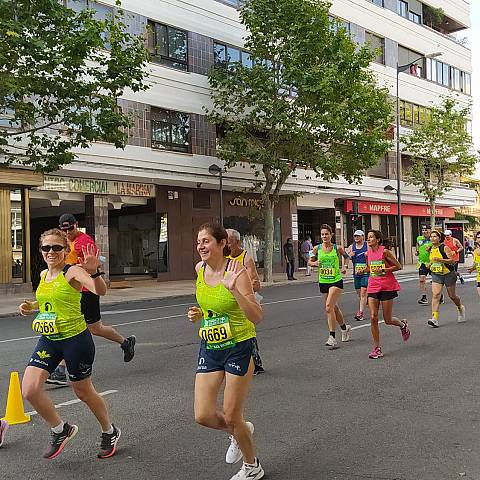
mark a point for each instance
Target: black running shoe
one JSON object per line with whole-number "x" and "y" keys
{"x": 128, "y": 347}
{"x": 442, "y": 300}
{"x": 258, "y": 370}
{"x": 108, "y": 447}
{"x": 462, "y": 280}
{"x": 59, "y": 440}
{"x": 57, "y": 377}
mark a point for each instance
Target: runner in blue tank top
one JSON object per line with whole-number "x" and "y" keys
{"x": 357, "y": 251}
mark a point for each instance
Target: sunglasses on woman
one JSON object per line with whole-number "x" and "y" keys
{"x": 55, "y": 248}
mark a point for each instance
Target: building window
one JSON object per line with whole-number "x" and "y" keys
{"x": 414, "y": 17}
{"x": 467, "y": 83}
{"x": 336, "y": 23}
{"x": 225, "y": 55}
{"x": 378, "y": 2}
{"x": 170, "y": 130}
{"x": 168, "y": 45}
{"x": 402, "y": 8}
{"x": 377, "y": 44}
{"x": 412, "y": 114}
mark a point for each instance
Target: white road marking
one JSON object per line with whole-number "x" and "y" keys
{"x": 73, "y": 402}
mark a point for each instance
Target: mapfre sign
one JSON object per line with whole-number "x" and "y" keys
{"x": 409, "y": 210}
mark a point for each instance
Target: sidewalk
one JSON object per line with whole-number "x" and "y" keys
{"x": 136, "y": 291}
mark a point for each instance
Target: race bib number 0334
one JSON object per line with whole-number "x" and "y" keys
{"x": 216, "y": 333}
{"x": 45, "y": 323}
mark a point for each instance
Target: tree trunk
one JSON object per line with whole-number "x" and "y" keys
{"x": 432, "y": 213}
{"x": 268, "y": 207}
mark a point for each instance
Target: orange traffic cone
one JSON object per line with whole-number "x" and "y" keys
{"x": 15, "y": 413}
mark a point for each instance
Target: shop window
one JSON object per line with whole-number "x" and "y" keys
{"x": 170, "y": 130}
{"x": 168, "y": 45}
{"x": 16, "y": 233}
{"x": 252, "y": 231}
{"x": 377, "y": 44}
{"x": 163, "y": 243}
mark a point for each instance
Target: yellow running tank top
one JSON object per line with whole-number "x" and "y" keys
{"x": 239, "y": 258}
{"x": 476, "y": 263}
{"x": 60, "y": 298}
{"x": 438, "y": 268}
{"x": 217, "y": 301}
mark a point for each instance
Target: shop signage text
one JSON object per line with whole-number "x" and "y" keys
{"x": 381, "y": 208}
{"x": 246, "y": 202}
{"x": 97, "y": 186}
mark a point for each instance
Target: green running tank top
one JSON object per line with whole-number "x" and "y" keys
{"x": 58, "y": 296}
{"x": 328, "y": 265}
{"x": 217, "y": 301}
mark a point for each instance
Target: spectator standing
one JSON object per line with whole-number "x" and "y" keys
{"x": 305, "y": 248}
{"x": 289, "y": 258}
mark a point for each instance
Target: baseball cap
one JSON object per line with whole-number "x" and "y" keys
{"x": 66, "y": 220}
{"x": 447, "y": 232}
{"x": 358, "y": 232}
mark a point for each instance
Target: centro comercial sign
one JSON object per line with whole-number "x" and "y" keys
{"x": 97, "y": 186}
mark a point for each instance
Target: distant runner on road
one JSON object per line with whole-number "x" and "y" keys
{"x": 423, "y": 246}
{"x": 357, "y": 252}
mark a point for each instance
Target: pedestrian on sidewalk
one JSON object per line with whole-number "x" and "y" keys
{"x": 241, "y": 256}
{"x": 90, "y": 302}
{"x": 442, "y": 266}
{"x": 228, "y": 311}
{"x": 382, "y": 289}
{"x": 65, "y": 336}
{"x": 305, "y": 251}
{"x": 289, "y": 258}
{"x": 356, "y": 253}
{"x": 423, "y": 246}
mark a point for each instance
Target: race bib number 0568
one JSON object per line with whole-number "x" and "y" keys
{"x": 45, "y": 323}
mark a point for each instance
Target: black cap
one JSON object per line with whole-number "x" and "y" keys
{"x": 67, "y": 220}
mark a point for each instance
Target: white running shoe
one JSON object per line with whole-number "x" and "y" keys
{"x": 433, "y": 323}
{"x": 234, "y": 454}
{"x": 347, "y": 334}
{"x": 250, "y": 472}
{"x": 461, "y": 315}
{"x": 331, "y": 342}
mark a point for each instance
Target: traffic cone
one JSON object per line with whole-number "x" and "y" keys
{"x": 15, "y": 413}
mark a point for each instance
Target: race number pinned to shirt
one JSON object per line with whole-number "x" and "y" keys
{"x": 216, "y": 333}
{"x": 377, "y": 268}
{"x": 45, "y": 323}
{"x": 436, "y": 267}
{"x": 360, "y": 268}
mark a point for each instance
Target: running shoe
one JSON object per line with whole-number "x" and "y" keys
{"x": 331, "y": 342}
{"x": 108, "y": 446}
{"x": 376, "y": 353}
{"x": 250, "y": 472}
{"x": 423, "y": 301}
{"x": 59, "y": 440}
{"x": 358, "y": 316}
{"x": 128, "y": 347}
{"x": 234, "y": 454}
{"x": 57, "y": 377}
{"x": 405, "y": 331}
{"x": 258, "y": 370}
{"x": 461, "y": 315}
{"x": 347, "y": 334}
{"x": 462, "y": 280}
{"x": 3, "y": 430}
{"x": 433, "y": 322}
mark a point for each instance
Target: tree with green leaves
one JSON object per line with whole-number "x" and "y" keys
{"x": 61, "y": 75}
{"x": 441, "y": 151}
{"x": 306, "y": 100}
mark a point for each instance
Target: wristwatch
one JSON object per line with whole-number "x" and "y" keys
{"x": 98, "y": 274}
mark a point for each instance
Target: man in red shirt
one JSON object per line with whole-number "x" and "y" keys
{"x": 90, "y": 302}
{"x": 456, "y": 247}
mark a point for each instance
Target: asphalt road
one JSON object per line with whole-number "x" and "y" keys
{"x": 318, "y": 413}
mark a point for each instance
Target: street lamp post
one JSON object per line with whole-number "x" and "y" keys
{"x": 402, "y": 68}
{"x": 214, "y": 169}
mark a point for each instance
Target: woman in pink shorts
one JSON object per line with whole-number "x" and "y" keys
{"x": 382, "y": 289}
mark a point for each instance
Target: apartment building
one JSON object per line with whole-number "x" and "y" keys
{"x": 143, "y": 204}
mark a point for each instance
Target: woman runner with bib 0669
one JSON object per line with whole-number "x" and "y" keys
{"x": 476, "y": 260}
{"x": 326, "y": 257}
{"x": 442, "y": 267}
{"x": 382, "y": 289}
{"x": 228, "y": 313}
{"x": 64, "y": 335}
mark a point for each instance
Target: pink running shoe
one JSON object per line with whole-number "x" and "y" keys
{"x": 376, "y": 353}
{"x": 3, "y": 430}
{"x": 405, "y": 331}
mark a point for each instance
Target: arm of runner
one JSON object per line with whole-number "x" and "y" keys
{"x": 448, "y": 260}
{"x": 194, "y": 314}
{"x": 341, "y": 251}
{"x": 390, "y": 258}
{"x": 252, "y": 272}
{"x": 95, "y": 285}
{"x": 28, "y": 307}
{"x": 313, "y": 262}
{"x": 239, "y": 284}
{"x": 459, "y": 246}
{"x": 198, "y": 266}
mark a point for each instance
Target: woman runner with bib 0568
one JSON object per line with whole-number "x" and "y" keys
{"x": 326, "y": 257}
{"x": 442, "y": 266}
{"x": 64, "y": 335}
{"x": 382, "y": 289}
{"x": 476, "y": 261}
{"x": 228, "y": 313}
